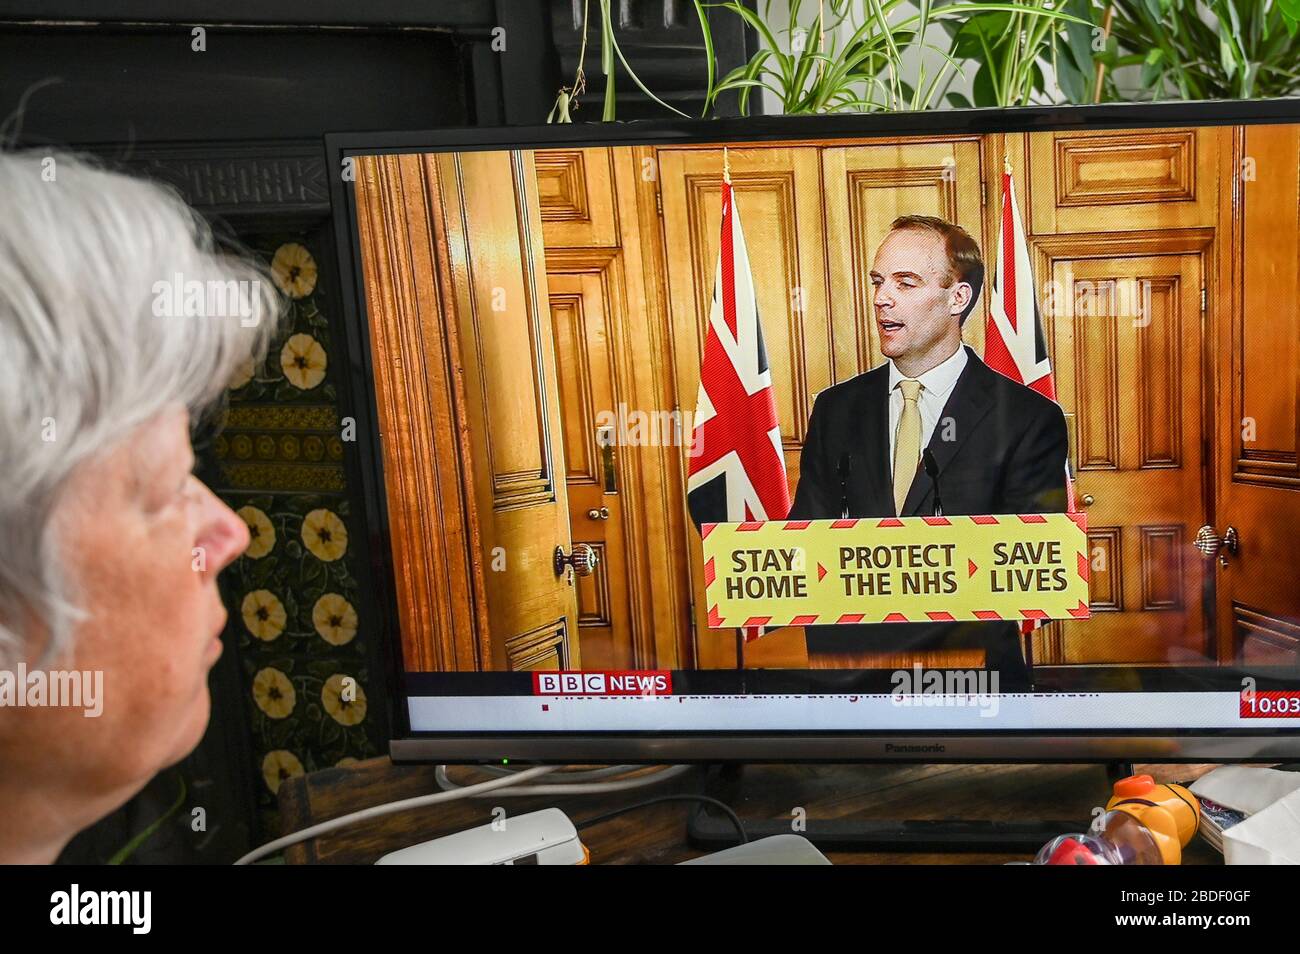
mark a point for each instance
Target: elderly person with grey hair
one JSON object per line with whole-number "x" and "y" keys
{"x": 109, "y": 545}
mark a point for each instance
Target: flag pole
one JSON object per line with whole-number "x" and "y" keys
{"x": 1028, "y": 628}
{"x": 740, "y": 633}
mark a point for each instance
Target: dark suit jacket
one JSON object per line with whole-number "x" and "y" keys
{"x": 1007, "y": 455}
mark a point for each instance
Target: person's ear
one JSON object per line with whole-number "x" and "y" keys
{"x": 959, "y": 297}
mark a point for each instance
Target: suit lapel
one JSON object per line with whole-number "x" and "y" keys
{"x": 968, "y": 404}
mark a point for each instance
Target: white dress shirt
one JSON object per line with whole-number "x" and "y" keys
{"x": 936, "y": 386}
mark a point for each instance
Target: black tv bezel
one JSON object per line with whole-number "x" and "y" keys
{"x": 1173, "y": 744}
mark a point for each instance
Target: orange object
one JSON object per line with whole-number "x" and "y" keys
{"x": 1135, "y": 786}
{"x": 1169, "y": 812}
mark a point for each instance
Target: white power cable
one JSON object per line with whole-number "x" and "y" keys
{"x": 376, "y": 811}
{"x": 570, "y": 775}
{"x": 506, "y": 786}
{"x": 662, "y": 774}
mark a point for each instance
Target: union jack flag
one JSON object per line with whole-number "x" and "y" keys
{"x": 736, "y": 469}
{"x": 1014, "y": 344}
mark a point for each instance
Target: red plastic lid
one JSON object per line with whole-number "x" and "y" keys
{"x": 1134, "y": 786}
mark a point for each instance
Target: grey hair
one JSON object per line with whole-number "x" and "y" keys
{"x": 92, "y": 346}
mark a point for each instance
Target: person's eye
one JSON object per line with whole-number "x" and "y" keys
{"x": 185, "y": 492}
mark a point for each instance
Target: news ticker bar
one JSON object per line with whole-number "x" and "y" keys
{"x": 922, "y": 710}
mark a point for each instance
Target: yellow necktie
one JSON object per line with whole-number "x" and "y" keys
{"x": 907, "y": 445}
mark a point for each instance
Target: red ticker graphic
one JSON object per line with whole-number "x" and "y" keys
{"x": 1271, "y": 704}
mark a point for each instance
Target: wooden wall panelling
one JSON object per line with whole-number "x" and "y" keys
{"x": 1151, "y": 179}
{"x": 1257, "y": 334}
{"x": 866, "y": 188}
{"x": 659, "y": 480}
{"x": 575, "y": 188}
{"x": 428, "y": 472}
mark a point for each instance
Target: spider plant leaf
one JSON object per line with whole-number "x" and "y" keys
{"x": 1074, "y": 84}
{"x": 1034, "y": 81}
{"x": 761, "y": 27}
{"x": 127, "y": 850}
{"x": 636, "y": 79}
{"x": 741, "y": 82}
{"x": 610, "y": 108}
{"x": 1227, "y": 56}
{"x": 710, "y": 60}
{"x": 1153, "y": 67}
{"x": 1234, "y": 19}
{"x": 861, "y": 104}
{"x": 971, "y": 9}
{"x": 1078, "y": 36}
{"x": 984, "y": 89}
{"x": 752, "y": 72}
{"x": 606, "y": 39}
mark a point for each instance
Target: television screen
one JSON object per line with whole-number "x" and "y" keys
{"x": 845, "y": 437}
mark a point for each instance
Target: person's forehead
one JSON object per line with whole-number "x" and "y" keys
{"x": 915, "y": 250}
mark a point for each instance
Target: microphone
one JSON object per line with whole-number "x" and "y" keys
{"x": 932, "y": 469}
{"x": 845, "y": 469}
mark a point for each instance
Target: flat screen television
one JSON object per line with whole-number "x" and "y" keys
{"x": 962, "y": 435}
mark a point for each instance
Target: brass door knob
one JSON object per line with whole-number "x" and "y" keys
{"x": 1211, "y": 544}
{"x": 1207, "y": 540}
{"x": 601, "y": 514}
{"x": 1089, "y": 500}
{"x": 584, "y": 559}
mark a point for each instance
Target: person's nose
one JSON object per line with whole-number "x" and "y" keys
{"x": 883, "y": 299}
{"x": 223, "y": 535}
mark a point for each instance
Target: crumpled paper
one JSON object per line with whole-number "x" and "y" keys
{"x": 1270, "y": 835}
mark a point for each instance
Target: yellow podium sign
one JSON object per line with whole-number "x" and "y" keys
{"x": 896, "y": 570}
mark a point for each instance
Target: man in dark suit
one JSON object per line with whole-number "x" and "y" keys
{"x": 999, "y": 447}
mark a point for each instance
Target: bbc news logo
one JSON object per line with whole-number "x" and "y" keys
{"x": 627, "y": 682}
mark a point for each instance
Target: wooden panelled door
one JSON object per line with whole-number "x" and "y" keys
{"x": 1125, "y": 315}
{"x": 494, "y": 241}
{"x": 460, "y": 327}
{"x": 1128, "y": 342}
{"x": 599, "y": 224}
{"x": 579, "y": 295}
{"x": 1258, "y": 473}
